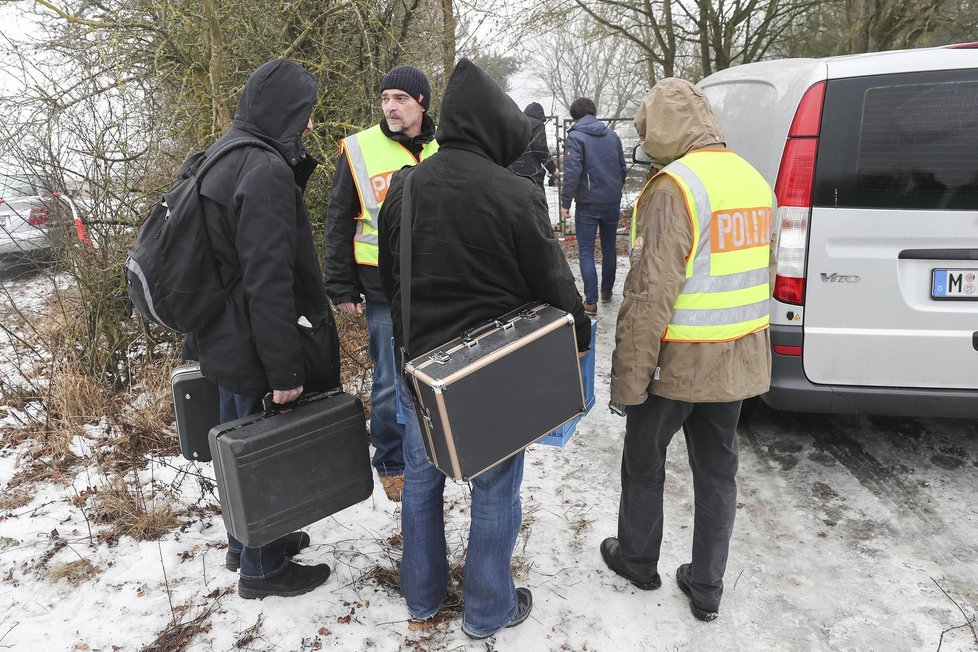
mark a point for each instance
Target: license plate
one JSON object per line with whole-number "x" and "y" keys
{"x": 954, "y": 284}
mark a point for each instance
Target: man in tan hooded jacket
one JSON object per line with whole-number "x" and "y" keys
{"x": 692, "y": 340}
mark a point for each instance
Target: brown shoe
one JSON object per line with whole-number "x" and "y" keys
{"x": 393, "y": 486}
{"x": 591, "y": 309}
{"x": 606, "y": 296}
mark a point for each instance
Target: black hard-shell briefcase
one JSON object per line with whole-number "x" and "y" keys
{"x": 197, "y": 408}
{"x": 489, "y": 394}
{"x": 279, "y": 471}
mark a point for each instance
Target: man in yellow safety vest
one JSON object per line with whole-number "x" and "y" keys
{"x": 692, "y": 336}
{"x": 405, "y": 136}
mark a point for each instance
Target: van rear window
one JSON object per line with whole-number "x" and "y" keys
{"x": 900, "y": 141}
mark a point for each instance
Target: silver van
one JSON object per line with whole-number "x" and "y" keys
{"x": 874, "y": 162}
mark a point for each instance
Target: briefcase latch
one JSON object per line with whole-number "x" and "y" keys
{"x": 529, "y": 313}
{"x": 440, "y": 357}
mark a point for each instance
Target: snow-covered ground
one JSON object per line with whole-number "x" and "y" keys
{"x": 850, "y": 531}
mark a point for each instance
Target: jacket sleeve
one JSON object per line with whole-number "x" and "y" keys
{"x": 339, "y": 266}
{"x": 538, "y": 147}
{"x": 389, "y": 230}
{"x": 621, "y": 160}
{"x": 544, "y": 266}
{"x": 654, "y": 282}
{"x": 551, "y": 164}
{"x": 266, "y": 244}
{"x": 573, "y": 169}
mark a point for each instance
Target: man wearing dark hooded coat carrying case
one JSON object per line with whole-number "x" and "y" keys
{"x": 481, "y": 246}
{"x": 262, "y": 244}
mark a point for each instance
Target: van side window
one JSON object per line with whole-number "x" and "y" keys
{"x": 900, "y": 141}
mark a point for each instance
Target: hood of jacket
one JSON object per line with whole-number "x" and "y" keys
{"x": 590, "y": 125}
{"x": 477, "y": 115}
{"x": 675, "y": 118}
{"x": 275, "y": 106}
{"x": 534, "y": 110}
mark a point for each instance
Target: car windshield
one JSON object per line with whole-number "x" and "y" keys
{"x": 14, "y": 187}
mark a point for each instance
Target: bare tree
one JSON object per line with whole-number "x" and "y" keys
{"x": 578, "y": 61}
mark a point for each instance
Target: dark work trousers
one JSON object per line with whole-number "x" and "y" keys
{"x": 256, "y": 563}
{"x": 711, "y": 440}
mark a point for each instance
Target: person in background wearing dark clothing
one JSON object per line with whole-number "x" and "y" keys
{"x": 594, "y": 175}
{"x": 536, "y": 160}
{"x": 260, "y": 235}
{"x": 405, "y": 136}
{"x": 481, "y": 246}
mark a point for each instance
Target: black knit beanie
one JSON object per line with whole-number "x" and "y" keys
{"x": 410, "y": 80}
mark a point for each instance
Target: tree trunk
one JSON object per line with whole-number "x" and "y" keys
{"x": 703, "y": 25}
{"x": 448, "y": 36}
{"x": 857, "y": 13}
{"x": 220, "y": 114}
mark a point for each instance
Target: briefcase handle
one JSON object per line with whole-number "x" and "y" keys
{"x": 474, "y": 332}
{"x": 269, "y": 408}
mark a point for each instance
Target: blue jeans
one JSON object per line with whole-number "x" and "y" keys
{"x": 489, "y": 593}
{"x": 256, "y": 563}
{"x": 386, "y": 434}
{"x": 587, "y": 224}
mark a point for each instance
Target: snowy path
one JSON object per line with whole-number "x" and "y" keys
{"x": 843, "y": 523}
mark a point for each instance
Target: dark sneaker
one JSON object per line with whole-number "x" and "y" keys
{"x": 524, "y": 605}
{"x": 294, "y": 579}
{"x": 294, "y": 542}
{"x": 611, "y": 553}
{"x": 703, "y": 614}
{"x": 590, "y": 309}
{"x": 606, "y": 296}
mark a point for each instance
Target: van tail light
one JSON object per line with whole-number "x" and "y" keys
{"x": 38, "y": 216}
{"x": 783, "y": 349}
{"x": 793, "y": 190}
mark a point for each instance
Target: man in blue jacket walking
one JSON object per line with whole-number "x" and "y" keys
{"x": 594, "y": 174}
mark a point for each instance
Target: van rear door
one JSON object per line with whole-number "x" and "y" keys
{"x": 891, "y": 291}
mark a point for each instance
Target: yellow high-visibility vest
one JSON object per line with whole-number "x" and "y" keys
{"x": 373, "y": 159}
{"x": 727, "y": 287}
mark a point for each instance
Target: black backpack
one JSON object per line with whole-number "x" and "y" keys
{"x": 171, "y": 275}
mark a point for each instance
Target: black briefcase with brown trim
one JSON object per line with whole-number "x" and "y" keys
{"x": 489, "y": 394}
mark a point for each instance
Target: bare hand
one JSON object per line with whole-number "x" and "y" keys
{"x": 565, "y": 213}
{"x": 282, "y": 396}
{"x": 351, "y": 307}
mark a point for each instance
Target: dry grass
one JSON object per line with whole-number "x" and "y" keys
{"x": 143, "y": 420}
{"x": 355, "y": 364}
{"x": 75, "y": 572}
{"x": 177, "y": 636}
{"x": 13, "y": 499}
{"x": 130, "y": 512}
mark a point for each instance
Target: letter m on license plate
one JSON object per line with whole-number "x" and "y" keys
{"x": 954, "y": 284}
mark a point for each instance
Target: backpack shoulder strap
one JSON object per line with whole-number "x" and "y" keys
{"x": 215, "y": 156}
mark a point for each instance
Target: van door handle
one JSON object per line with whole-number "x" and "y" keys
{"x": 938, "y": 254}
{"x": 974, "y": 340}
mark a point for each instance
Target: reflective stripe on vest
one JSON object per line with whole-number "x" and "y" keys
{"x": 373, "y": 159}
{"x": 726, "y": 293}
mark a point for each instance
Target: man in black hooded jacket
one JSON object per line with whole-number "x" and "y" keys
{"x": 481, "y": 246}
{"x": 262, "y": 242}
{"x": 536, "y": 159}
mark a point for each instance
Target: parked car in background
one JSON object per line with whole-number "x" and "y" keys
{"x": 34, "y": 223}
{"x": 874, "y": 162}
